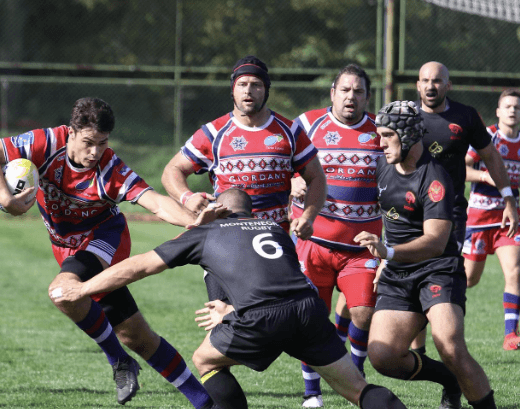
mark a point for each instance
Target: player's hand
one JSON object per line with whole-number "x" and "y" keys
{"x": 199, "y": 201}
{"x": 302, "y": 228}
{"x": 298, "y": 188}
{"x": 212, "y": 314}
{"x": 69, "y": 291}
{"x": 209, "y": 214}
{"x": 372, "y": 243}
{"x": 510, "y": 215}
{"x": 20, "y": 204}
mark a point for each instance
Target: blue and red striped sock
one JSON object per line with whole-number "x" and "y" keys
{"x": 97, "y": 327}
{"x": 342, "y": 325}
{"x": 511, "y": 311}
{"x": 311, "y": 380}
{"x": 170, "y": 364}
{"x": 358, "y": 345}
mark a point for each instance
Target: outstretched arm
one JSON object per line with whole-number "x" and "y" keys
{"x": 127, "y": 271}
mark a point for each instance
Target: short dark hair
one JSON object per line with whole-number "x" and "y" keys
{"x": 353, "y": 69}
{"x": 236, "y": 200}
{"x": 510, "y": 92}
{"x": 92, "y": 113}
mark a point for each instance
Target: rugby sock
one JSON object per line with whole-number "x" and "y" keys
{"x": 170, "y": 364}
{"x": 420, "y": 350}
{"x": 376, "y": 397}
{"x": 511, "y": 311}
{"x": 358, "y": 345}
{"x": 427, "y": 369}
{"x": 342, "y": 325}
{"x": 311, "y": 379}
{"x": 223, "y": 387}
{"x": 97, "y": 327}
{"x": 487, "y": 402}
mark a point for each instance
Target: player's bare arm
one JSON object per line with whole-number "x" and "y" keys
{"x": 476, "y": 175}
{"x": 212, "y": 315}
{"x": 127, "y": 271}
{"x": 18, "y": 204}
{"x": 431, "y": 244}
{"x": 316, "y": 182}
{"x": 174, "y": 180}
{"x": 497, "y": 170}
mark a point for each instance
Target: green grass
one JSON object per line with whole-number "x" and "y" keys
{"x": 46, "y": 362}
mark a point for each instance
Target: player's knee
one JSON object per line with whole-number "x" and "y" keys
{"x": 384, "y": 358}
{"x": 472, "y": 281}
{"x": 198, "y": 361}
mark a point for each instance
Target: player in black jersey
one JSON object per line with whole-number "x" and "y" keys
{"x": 451, "y": 127}
{"x": 423, "y": 280}
{"x": 274, "y": 307}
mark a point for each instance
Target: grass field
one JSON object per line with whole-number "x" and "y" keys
{"x": 46, "y": 362}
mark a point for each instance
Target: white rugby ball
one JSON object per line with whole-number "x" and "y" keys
{"x": 21, "y": 174}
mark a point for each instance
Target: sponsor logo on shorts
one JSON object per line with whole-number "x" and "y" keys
{"x": 436, "y": 290}
{"x": 372, "y": 263}
{"x": 436, "y": 191}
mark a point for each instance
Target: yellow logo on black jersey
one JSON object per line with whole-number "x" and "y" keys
{"x": 392, "y": 214}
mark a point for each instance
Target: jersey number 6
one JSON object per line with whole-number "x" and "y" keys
{"x": 259, "y": 246}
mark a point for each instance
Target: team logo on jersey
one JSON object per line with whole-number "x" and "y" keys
{"x": 455, "y": 129}
{"x": 23, "y": 139}
{"x": 366, "y": 137}
{"x": 332, "y": 138}
{"x": 435, "y": 148}
{"x": 436, "y": 191}
{"x": 272, "y": 139}
{"x": 124, "y": 170}
{"x": 238, "y": 143}
{"x": 392, "y": 214}
{"x": 58, "y": 173}
{"x": 503, "y": 149}
{"x": 436, "y": 290}
{"x": 410, "y": 199}
{"x": 85, "y": 184}
{"x": 381, "y": 189}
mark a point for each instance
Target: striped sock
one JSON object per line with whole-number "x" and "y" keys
{"x": 342, "y": 325}
{"x": 170, "y": 364}
{"x": 97, "y": 327}
{"x": 511, "y": 310}
{"x": 358, "y": 345}
{"x": 312, "y": 380}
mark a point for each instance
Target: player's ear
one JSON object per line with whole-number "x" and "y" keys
{"x": 448, "y": 87}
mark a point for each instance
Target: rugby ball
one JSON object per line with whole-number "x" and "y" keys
{"x": 19, "y": 175}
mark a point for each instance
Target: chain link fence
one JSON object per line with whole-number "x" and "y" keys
{"x": 164, "y": 66}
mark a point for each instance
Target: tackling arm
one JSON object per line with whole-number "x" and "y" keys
{"x": 127, "y": 271}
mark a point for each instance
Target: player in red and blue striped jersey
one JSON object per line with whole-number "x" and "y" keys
{"x": 254, "y": 149}
{"x": 82, "y": 181}
{"x": 345, "y": 136}
{"x": 486, "y": 233}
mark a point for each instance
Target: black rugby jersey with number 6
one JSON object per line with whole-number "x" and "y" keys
{"x": 253, "y": 260}
{"x": 408, "y": 200}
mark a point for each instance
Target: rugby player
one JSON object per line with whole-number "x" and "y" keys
{"x": 486, "y": 231}
{"x": 348, "y": 149}
{"x": 269, "y": 313}
{"x": 423, "y": 279}
{"x": 82, "y": 181}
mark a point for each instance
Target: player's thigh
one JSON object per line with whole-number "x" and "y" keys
{"x": 509, "y": 257}
{"x": 207, "y": 358}
{"x": 447, "y": 327}
{"x": 393, "y": 331}
{"x": 474, "y": 270}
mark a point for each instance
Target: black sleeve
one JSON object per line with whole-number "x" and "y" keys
{"x": 184, "y": 249}
{"x": 480, "y": 137}
{"x": 437, "y": 193}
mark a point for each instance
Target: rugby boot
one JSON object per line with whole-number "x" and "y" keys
{"x": 450, "y": 400}
{"x": 125, "y": 375}
{"x": 312, "y": 401}
{"x": 511, "y": 342}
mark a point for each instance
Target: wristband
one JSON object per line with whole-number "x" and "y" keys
{"x": 506, "y": 191}
{"x": 483, "y": 176}
{"x": 185, "y": 196}
{"x": 389, "y": 253}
